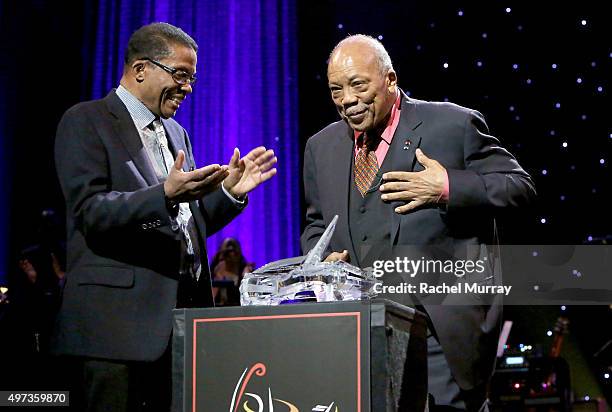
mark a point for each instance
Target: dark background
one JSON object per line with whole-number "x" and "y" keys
{"x": 43, "y": 72}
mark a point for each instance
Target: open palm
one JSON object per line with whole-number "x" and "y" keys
{"x": 249, "y": 172}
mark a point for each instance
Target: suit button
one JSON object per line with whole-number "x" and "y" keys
{"x": 362, "y": 209}
{"x": 364, "y": 237}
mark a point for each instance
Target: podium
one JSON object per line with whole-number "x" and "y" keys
{"x": 366, "y": 356}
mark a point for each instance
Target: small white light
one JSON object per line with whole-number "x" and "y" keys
{"x": 544, "y": 172}
{"x": 606, "y": 375}
{"x": 528, "y": 81}
{"x": 563, "y": 307}
{"x": 548, "y": 333}
{"x": 554, "y": 65}
{"x": 460, "y": 13}
{"x": 515, "y": 66}
{"x": 340, "y": 26}
{"x": 600, "y": 89}
{"x": 587, "y": 398}
{"x": 552, "y": 132}
{"x": 564, "y": 144}
{"x": 583, "y": 117}
{"x": 445, "y": 65}
{"x": 511, "y": 108}
{"x": 558, "y": 105}
{"x": 536, "y": 287}
{"x": 602, "y": 161}
{"x": 562, "y": 197}
{"x": 484, "y": 35}
{"x": 380, "y": 37}
{"x": 479, "y": 63}
{"x": 515, "y": 360}
{"x": 508, "y": 9}
{"x": 543, "y": 220}
{"x": 590, "y": 238}
{"x": 579, "y": 80}
{"x": 583, "y": 22}
{"x": 534, "y": 253}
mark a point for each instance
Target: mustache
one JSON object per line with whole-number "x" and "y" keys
{"x": 354, "y": 110}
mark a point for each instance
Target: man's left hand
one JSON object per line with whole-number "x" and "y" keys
{"x": 246, "y": 173}
{"x": 415, "y": 188}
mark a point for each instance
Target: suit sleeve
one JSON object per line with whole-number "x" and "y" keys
{"x": 82, "y": 163}
{"x": 315, "y": 226}
{"x": 492, "y": 178}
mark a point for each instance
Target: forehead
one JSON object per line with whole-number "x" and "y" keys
{"x": 348, "y": 62}
{"x": 182, "y": 57}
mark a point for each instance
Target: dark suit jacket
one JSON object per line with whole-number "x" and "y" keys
{"x": 123, "y": 254}
{"x": 483, "y": 178}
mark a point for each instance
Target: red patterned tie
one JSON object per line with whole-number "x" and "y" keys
{"x": 366, "y": 167}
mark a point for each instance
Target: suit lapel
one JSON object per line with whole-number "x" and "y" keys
{"x": 403, "y": 149}
{"x": 124, "y": 128}
{"x": 341, "y": 152}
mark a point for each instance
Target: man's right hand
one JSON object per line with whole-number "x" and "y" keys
{"x": 335, "y": 256}
{"x": 183, "y": 186}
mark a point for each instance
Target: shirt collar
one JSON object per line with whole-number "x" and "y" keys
{"x": 141, "y": 115}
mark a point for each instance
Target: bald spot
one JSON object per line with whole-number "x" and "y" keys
{"x": 352, "y": 53}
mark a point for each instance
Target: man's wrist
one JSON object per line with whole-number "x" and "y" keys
{"x": 238, "y": 198}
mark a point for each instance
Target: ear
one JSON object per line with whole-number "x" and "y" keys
{"x": 391, "y": 80}
{"x": 137, "y": 70}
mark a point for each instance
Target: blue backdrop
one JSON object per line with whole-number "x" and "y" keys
{"x": 246, "y": 96}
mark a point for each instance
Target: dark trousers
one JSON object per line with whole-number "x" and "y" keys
{"x": 99, "y": 385}
{"x": 445, "y": 390}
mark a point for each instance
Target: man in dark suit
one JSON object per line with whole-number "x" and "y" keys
{"x": 138, "y": 214}
{"x": 400, "y": 171}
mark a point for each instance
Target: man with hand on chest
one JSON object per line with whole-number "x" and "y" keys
{"x": 405, "y": 172}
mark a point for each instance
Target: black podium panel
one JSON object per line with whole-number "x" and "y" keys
{"x": 324, "y": 357}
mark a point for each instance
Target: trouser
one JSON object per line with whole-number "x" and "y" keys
{"x": 99, "y": 385}
{"x": 445, "y": 390}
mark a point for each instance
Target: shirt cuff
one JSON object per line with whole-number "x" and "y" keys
{"x": 238, "y": 202}
{"x": 446, "y": 192}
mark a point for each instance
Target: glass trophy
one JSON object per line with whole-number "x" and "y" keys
{"x": 307, "y": 279}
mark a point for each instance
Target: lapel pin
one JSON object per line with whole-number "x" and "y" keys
{"x": 407, "y": 144}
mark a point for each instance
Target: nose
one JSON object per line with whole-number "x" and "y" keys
{"x": 187, "y": 88}
{"x": 348, "y": 98}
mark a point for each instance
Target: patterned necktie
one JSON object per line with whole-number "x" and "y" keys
{"x": 366, "y": 168}
{"x": 162, "y": 153}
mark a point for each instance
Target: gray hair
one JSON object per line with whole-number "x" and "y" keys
{"x": 382, "y": 57}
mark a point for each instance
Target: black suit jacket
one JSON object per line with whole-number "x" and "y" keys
{"x": 483, "y": 177}
{"x": 123, "y": 253}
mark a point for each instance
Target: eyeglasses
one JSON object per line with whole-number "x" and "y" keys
{"x": 179, "y": 76}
